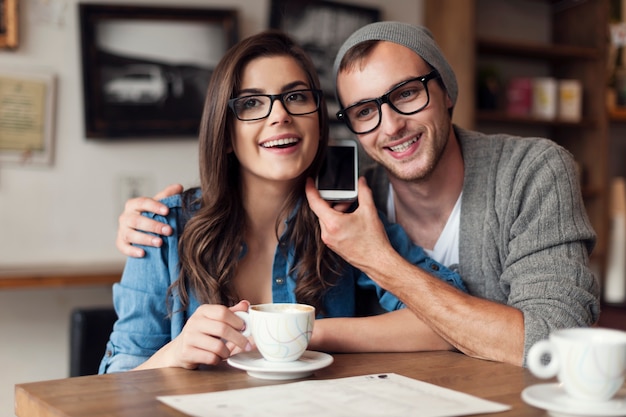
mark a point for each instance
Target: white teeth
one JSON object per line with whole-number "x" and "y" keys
{"x": 279, "y": 142}
{"x": 403, "y": 146}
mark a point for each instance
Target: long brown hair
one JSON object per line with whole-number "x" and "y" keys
{"x": 211, "y": 243}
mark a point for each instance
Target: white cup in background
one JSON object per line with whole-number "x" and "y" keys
{"x": 570, "y": 100}
{"x": 281, "y": 331}
{"x": 544, "y": 98}
{"x": 588, "y": 362}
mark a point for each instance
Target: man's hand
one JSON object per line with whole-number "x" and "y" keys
{"x": 354, "y": 236}
{"x": 133, "y": 226}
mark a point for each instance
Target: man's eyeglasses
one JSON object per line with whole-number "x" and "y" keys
{"x": 408, "y": 97}
{"x": 259, "y": 106}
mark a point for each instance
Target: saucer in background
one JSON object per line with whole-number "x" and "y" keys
{"x": 554, "y": 399}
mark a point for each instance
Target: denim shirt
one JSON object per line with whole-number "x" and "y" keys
{"x": 144, "y": 324}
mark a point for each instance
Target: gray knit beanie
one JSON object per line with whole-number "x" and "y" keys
{"x": 416, "y": 38}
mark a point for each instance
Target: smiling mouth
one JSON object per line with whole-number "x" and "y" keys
{"x": 280, "y": 143}
{"x": 403, "y": 146}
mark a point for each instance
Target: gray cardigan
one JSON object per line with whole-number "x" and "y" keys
{"x": 525, "y": 237}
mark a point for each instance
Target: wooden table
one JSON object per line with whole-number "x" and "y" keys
{"x": 134, "y": 393}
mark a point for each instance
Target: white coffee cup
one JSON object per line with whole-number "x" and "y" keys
{"x": 281, "y": 331}
{"x": 588, "y": 362}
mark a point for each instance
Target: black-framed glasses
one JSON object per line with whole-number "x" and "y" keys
{"x": 259, "y": 106}
{"x": 408, "y": 97}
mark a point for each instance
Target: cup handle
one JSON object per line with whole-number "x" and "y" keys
{"x": 247, "y": 331}
{"x": 535, "y": 360}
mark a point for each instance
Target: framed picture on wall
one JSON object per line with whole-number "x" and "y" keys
{"x": 146, "y": 69}
{"x": 27, "y": 113}
{"x": 321, "y": 27}
{"x": 8, "y": 24}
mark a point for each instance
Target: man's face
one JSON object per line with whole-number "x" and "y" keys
{"x": 408, "y": 146}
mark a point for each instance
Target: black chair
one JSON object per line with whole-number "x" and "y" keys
{"x": 367, "y": 303}
{"x": 90, "y": 328}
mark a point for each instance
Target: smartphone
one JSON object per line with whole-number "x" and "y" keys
{"x": 338, "y": 177}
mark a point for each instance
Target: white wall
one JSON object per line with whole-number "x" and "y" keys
{"x": 66, "y": 213}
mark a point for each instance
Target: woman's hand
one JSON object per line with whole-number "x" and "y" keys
{"x": 133, "y": 226}
{"x": 212, "y": 334}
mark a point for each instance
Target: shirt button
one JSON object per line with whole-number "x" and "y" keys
{"x": 109, "y": 354}
{"x": 434, "y": 267}
{"x": 280, "y": 281}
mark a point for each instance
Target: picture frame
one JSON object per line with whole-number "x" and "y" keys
{"x": 8, "y": 24}
{"x": 321, "y": 27}
{"x": 146, "y": 69}
{"x": 27, "y": 110}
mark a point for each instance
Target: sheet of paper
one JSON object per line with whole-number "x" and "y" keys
{"x": 375, "y": 395}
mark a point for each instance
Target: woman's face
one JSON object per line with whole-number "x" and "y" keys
{"x": 280, "y": 147}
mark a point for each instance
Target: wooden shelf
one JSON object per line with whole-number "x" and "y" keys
{"x": 617, "y": 114}
{"x": 59, "y": 276}
{"x": 529, "y": 50}
{"x": 502, "y": 117}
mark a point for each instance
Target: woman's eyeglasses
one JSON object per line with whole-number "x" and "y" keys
{"x": 259, "y": 106}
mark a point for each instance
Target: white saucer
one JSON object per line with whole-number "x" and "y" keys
{"x": 552, "y": 397}
{"x": 256, "y": 366}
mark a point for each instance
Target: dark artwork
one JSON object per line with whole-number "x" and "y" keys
{"x": 157, "y": 90}
{"x": 140, "y": 90}
{"x": 3, "y": 24}
{"x": 321, "y": 27}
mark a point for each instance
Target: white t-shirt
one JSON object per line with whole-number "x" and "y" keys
{"x": 446, "y": 250}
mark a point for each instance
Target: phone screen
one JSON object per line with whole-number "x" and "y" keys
{"x": 337, "y": 172}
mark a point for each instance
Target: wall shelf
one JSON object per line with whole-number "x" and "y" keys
{"x": 536, "y": 51}
{"x": 617, "y": 115}
{"x": 502, "y": 117}
{"x": 47, "y": 276}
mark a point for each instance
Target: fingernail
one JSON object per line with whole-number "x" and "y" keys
{"x": 167, "y": 230}
{"x": 156, "y": 242}
{"x": 248, "y": 347}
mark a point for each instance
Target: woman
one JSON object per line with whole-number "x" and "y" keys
{"x": 247, "y": 232}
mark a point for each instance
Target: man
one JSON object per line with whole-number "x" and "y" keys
{"x": 505, "y": 211}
